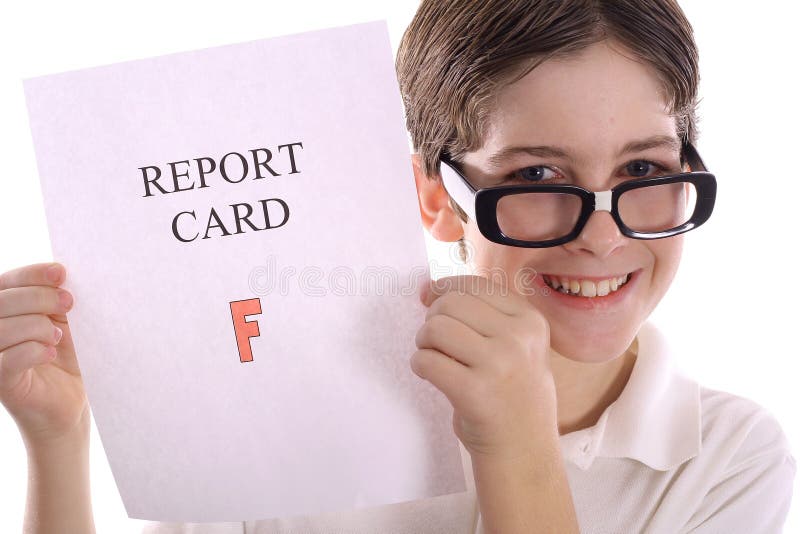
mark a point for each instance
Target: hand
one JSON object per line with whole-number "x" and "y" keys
{"x": 486, "y": 349}
{"x": 40, "y": 382}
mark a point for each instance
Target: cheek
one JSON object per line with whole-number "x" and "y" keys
{"x": 485, "y": 254}
{"x": 667, "y": 253}
{"x": 500, "y": 261}
{"x": 482, "y": 252}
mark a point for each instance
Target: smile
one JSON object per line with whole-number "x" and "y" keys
{"x": 584, "y": 287}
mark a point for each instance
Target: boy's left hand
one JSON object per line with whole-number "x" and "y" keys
{"x": 486, "y": 348}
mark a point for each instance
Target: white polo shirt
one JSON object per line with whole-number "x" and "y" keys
{"x": 668, "y": 456}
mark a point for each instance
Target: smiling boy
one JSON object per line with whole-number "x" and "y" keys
{"x": 505, "y": 100}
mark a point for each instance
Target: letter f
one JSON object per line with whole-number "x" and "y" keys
{"x": 245, "y": 329}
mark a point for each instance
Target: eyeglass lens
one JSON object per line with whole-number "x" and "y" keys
{"x": 540, "y": 216}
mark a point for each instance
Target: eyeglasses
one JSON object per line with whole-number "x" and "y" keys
{"x": 547, "y": 215}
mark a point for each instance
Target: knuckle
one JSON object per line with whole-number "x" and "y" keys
{"x": 419, "y": 339}
{"x": 423, "y": 335}
{"x": 48, "y": 298}
{"x": 520, "y": 328}
{"x": 435, "y": 307}
{"x": 441, "y": 304}
{"x": 498, "y": 349}
{"x": 437, "y": 322}
{"x": 454, "y": 301}
{"x": 505, "y": 367}
{"x": 44, "y": 326}
{"x": 427, "y": 333}
{"x": 515, "y": 350}
{"x": 524, "y": 346}
{"x": 419, "y": 362}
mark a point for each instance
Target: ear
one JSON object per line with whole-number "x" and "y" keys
{"x": 434, "y": 205}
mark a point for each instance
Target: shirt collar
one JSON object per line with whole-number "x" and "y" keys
{"x": 655, "y": 420}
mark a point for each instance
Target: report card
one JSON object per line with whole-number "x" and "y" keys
{"x": 241, "y": 233}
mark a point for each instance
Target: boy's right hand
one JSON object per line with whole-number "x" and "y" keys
{"x": 40, "y": 382}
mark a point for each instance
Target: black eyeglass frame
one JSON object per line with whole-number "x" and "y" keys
{"x": 485, "y": 201}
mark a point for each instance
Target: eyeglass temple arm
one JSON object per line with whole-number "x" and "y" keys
{"x": 458, "y": 188}
{"x": 693, "y": 158}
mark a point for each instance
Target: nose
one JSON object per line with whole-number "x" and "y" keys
{"x": 599, "y": 237}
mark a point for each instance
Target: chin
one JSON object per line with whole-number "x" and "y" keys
{"x": 591, "y": 349}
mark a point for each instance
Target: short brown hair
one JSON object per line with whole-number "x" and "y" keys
{"x": 455, "y": 55}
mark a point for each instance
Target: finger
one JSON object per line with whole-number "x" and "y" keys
{"x": 424, "y": 287}
{"x": 452, "y": 338}
{"x": 449, "y": 376}
{"x": 14, "y": 361}
{"x": 34, "y": 299}
{"x": 28, "y": 327}
{"x": 472, "y": 311}
{"x": 496, "y": 294}
{"x": 38, "y": 274}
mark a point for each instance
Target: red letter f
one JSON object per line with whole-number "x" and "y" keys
{"x": 245, "y": 329}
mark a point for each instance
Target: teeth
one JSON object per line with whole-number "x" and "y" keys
{"x": 603, "y": 287}
{"x": 575, "y": 287}
{"x": 586, "y": 288}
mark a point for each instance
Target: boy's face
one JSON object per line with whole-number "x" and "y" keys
{"x": 589, "y": 106}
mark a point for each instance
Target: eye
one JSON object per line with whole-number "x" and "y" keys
{"x": 641, "y": 168}
{"x": 538, "y": 173}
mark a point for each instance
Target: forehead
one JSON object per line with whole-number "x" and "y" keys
{"x": 592, "y": 102}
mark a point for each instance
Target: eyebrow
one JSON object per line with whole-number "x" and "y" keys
{"x": 657, "y": 141}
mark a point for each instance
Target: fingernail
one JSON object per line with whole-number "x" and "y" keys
{"x": 59, "y": 333}
{"x": 53, "y": 273}
{"x": 65, "y": 298}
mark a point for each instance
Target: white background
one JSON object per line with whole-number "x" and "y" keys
{"x": 734, "y": 302}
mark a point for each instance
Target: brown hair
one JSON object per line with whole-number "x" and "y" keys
{"x": 455, "y": 55}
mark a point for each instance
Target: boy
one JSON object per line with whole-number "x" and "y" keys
{"x": 564, "y": 398}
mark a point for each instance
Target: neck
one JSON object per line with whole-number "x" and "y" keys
{"x": 585, "y": 390}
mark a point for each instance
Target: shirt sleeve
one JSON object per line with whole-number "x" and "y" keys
{"x": 153, "y": 527}
{"x": 754, "y": 493}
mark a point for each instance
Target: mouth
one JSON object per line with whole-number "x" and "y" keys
{"x": 590, "y": 288}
